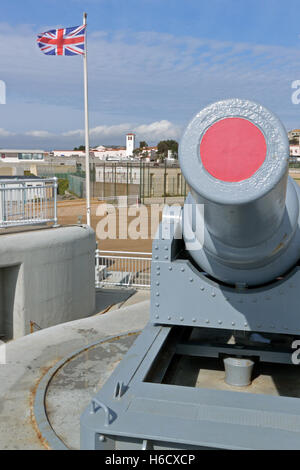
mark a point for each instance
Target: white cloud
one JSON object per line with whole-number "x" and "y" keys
{"x": 75, "y": 133}
{"x": 153, "y": 132}
{"x": 39, "y": 134}
{"x": 158, "y": 130}
{"x": 101, "y": 131}
{"x": 110, "y": 131}
{"x": 5, "y": 133}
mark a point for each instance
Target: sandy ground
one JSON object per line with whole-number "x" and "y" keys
{"x": 73, "y": 212}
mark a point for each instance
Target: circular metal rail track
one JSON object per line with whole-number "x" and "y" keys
{"x": 67, "y": 388}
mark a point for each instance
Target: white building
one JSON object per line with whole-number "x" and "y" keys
{"x": 295, "y": 150}
{"x": 294, "y": 134}
{"x": 130, "y": 144}
{"x": 148, "y": 154}
{"x": 112, "y": 154}
{"x": 15, "y": 187}
{"x": 67, "y": 153}
{"x": 19, "y": 156}
{"x": 118, "y": 174}
{"x": 102, "y": 152}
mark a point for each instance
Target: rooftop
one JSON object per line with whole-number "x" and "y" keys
{"x": 21, "y": 151}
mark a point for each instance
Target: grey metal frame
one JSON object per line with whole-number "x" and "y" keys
{"x": 131, "y": 413}
{"x": 272, "y": 309}
{"x": 160, "y": 416}
{"x": 135, "y": 409}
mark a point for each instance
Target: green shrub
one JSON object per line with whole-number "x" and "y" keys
{"x": 63, "y": 185}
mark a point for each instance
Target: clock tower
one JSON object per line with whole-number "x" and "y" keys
{"x": 130, "y": 144}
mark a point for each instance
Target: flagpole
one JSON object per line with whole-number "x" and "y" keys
{"x": 87, "y": 139}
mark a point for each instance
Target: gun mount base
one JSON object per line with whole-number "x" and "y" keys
{"x": 164, "y": 406}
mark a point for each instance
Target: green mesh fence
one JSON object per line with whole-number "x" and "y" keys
{"x": 76, "y": 181}
{"x": 143, "y": 180}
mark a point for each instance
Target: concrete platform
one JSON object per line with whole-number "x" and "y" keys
{"x": 30, "y": 358}
{"x": 51, "y": 376}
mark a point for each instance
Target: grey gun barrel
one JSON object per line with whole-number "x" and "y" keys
{"x": 234, "y": 156}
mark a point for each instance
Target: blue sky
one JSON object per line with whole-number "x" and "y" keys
{"x": 152, "y": 65}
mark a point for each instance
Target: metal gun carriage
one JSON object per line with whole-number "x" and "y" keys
{"x": 224, "y": 286}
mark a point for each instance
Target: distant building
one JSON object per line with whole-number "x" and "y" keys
{"x": 19, "y": 182}
{"x": 171, "y": 156}
{"x": 294, "y": 134}
{"x": 110, "y": 154}
{"x": 148, "y": 154}
{"x": 130, "y": 144}
{"x": 67, "y": 153}
{"x": 19, "y": 156}
{"x": 294, "y": 150}
{"x": 119, "y": 174}
{"x": 102, "y": 152}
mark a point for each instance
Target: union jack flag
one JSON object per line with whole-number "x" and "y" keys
{"x": 67, "y": 41}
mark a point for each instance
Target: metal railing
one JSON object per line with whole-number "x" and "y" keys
{"x": 28, "y": 202}
{"x": 124, "y": 269}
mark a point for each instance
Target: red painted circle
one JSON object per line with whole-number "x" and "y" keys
{"x": 233, "y": 149}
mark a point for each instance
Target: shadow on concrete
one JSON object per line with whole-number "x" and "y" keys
{"x": 107, "y": 297}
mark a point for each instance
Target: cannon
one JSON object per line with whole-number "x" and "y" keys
{"x": 224, "y": 312}
{"x": 234, "y": 156}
